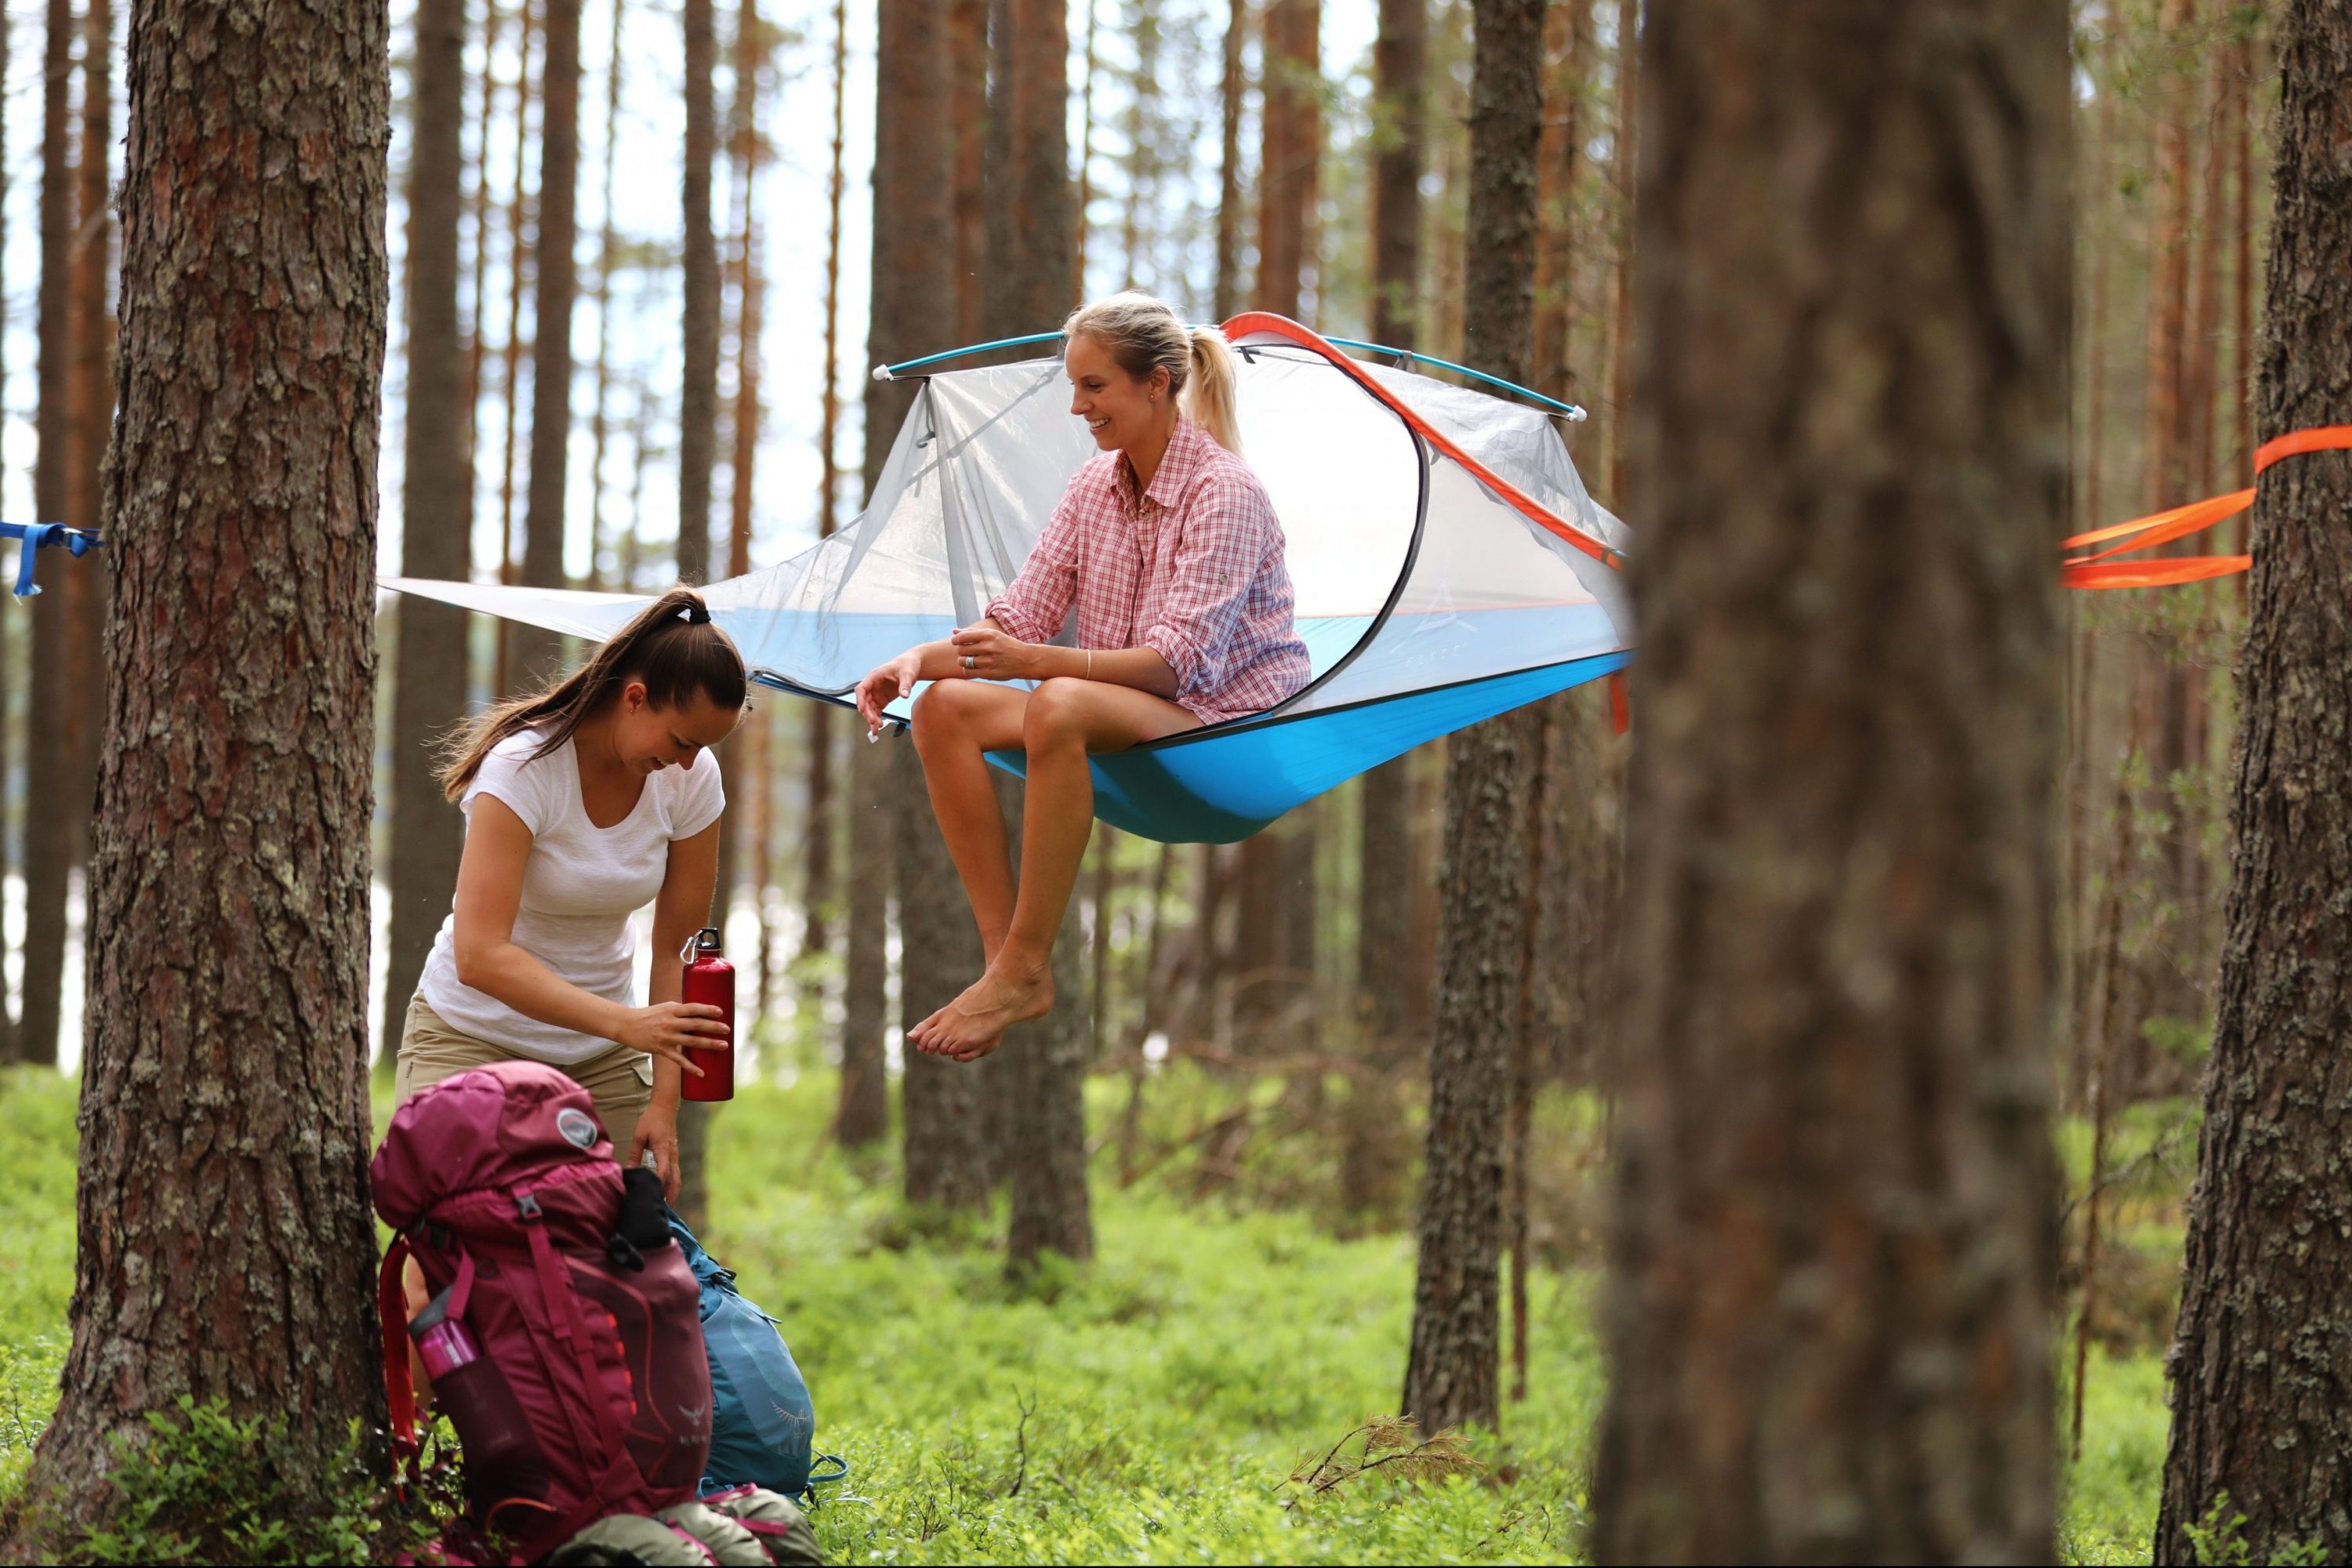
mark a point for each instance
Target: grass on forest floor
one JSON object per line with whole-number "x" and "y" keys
{"x": 1152, "y": 1405}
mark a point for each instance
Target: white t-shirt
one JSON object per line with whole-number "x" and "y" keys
{"x": 580, "y": 887}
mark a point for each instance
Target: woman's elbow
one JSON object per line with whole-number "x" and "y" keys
{"x": 474, "y": 963}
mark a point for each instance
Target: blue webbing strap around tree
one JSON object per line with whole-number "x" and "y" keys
{"x": 38, "y": 536}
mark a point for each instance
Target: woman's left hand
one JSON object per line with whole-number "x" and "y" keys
{"x": 657, "y": 1131}
{"x": 985, "y": 653}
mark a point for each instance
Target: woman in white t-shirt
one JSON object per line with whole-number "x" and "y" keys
{"x": 582, "y": 804}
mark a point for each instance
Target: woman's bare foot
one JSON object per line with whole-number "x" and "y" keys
{"x": 1012, "y": 991}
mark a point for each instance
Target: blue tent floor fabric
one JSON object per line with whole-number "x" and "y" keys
{"x": 1449, "y": 565}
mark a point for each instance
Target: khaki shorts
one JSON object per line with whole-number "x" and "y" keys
{"x": 621, "y": 1081}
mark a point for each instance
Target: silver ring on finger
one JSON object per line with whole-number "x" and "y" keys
{"x": 970, "y": 662}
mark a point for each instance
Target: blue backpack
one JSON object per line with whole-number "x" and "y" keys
{"x": 762, "y": 1423}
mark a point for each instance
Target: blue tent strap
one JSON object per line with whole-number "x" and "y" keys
{"x": 40, "y": 536}
{"x": 1565, "y": 410}
{"x": 892, "y": 372}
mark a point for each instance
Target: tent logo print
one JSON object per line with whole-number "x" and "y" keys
{"x": 579, "y": 1129}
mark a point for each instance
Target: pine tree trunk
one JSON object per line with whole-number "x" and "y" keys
{"x": 227, "y": 1250}
{"x": 557, "y": 289}
{"x": 1287, "y": 170}
{"x": 699, "y": 398}
{"x": 9, "y": 1033}
{"x": 49, "y": 837}
{"x": 2262, "y": 1349}
{"x": 1042, "y": 1067}
{"x": 436, "y": 512}
{"x": 1228, "y": 282}
{"x": 93, "y": 419}
{"x": 913, "y": 307}
{"x": 600, "y": 420}
{"x": 818, "y": 876}
{"x": 1385, "y": 846}
{"x": 947, "y": 1150}
{"x": 509, "y": 669}
{"x": 1450, "y": 1377}
{"x": 1625, "y": 171}
{"x": 1830, "y": 1323}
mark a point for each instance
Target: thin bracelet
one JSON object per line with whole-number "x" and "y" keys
{"x": 1090, "y": 664}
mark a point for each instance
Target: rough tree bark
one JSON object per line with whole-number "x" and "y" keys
{"x": 1833, "y": 1251}
{"x": 1450, "y": 1374}
{"x": 948, "y": 1156}
{"x": 93, "y": 416}
{"x": 538, "y": 653}
{"x": 436, "y": 518}
{"x": 226, "y": 1248}
{"x": 49, "y": 842}
{"x": 2264, "y": 1352}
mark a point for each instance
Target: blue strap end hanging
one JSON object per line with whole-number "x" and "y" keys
{"x": 38, "y": 536}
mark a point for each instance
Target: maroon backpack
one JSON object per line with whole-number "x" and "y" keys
{"x": 505, "y": 1192}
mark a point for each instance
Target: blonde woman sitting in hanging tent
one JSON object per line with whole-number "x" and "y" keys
{"x": 1167, "y": 551}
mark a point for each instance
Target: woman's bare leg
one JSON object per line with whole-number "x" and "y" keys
{"x": 956, "y": 722}
{"x": 1066, "y": 721}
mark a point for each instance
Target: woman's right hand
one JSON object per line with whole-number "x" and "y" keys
{"x": 667, "y": 1028}
{"x": 885, "y": 684}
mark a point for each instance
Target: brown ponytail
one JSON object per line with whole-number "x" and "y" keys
{"x": 672, "y": 647}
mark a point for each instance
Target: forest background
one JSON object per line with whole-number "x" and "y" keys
{"x": 1256, "y": 1035}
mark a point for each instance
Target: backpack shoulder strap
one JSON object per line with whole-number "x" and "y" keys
{"x": 392, "y": 1313}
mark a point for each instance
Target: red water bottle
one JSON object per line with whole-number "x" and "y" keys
{"x": 710, "y": 980}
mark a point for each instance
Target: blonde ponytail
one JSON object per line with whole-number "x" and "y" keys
{"x": 1143, "y": 334}
{"x": 1208, "y": 394}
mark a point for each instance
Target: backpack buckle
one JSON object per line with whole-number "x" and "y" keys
{"x": 526, "y": 1206}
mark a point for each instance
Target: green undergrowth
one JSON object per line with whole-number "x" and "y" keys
{"x": 1197, "y": 1393}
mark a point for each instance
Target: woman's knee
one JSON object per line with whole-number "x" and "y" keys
{"x": 1055, "y": 714}
{"x": 940, "y": 711}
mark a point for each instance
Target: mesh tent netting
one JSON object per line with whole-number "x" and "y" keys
{"x": 1448, "y": 563}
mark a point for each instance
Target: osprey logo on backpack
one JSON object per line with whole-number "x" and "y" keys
{"x": 578, "y": 1128}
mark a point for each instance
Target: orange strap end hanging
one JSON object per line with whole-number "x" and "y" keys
{"x": 1621, "y": 717}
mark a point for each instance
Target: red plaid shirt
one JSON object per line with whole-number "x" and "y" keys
{"x": 1191, "y": 569}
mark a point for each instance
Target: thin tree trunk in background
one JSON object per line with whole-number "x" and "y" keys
{"x": 1832, "y": 1256}
{"x": 538, "y": 654}
{"x": 600, "y": 422}
{"x": 49, "y": 840}
{"x": 1143, "y": 152}
{"x": 698, "y": 437}
{"x": 1086, "y": 153}
{"x": 226, "y": 1248}
{"x": 816, "y": 858}
{"x": 1384, "y": 881}
{"x": 699, "y": 397}
{"x": 1288, "y": 170}
{"x": 2242, "y": 313}
{"x": 436, "y": 516}
{"x": 2268, "y": 1277}
{"x": 1559, "y": 163}
{"x": 2100, "y": 1038}
{"x": 1624, "y": 171}
{"x": 1451, "y": 1371}
{"x": 1520, "y": 1121}
{"x": 1228, "y": 282}
{"x": 967, "y": 96}
{"x": 1106, "y": 888}
{"x": 477, "y": 296}
{"x": 520, "y": 247}
{"x": 744, "y": 442}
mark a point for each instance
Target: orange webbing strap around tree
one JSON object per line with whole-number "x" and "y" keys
{"x": 2098, "y": 571}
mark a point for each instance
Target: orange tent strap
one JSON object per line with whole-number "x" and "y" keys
{"x": 1620, "y": 717}
{"x": 2318, "y": 439}
{"x": 2159, "y": 573}
{"x": 2142, "y": 524}
{"x": 2184, "y": 521}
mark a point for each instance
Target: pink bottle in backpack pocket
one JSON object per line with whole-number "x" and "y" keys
{"x": 710, "y": 980}
{"x": 502, "y": 1456}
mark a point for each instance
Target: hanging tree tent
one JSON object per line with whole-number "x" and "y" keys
{"x": 1448, "y": 563}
